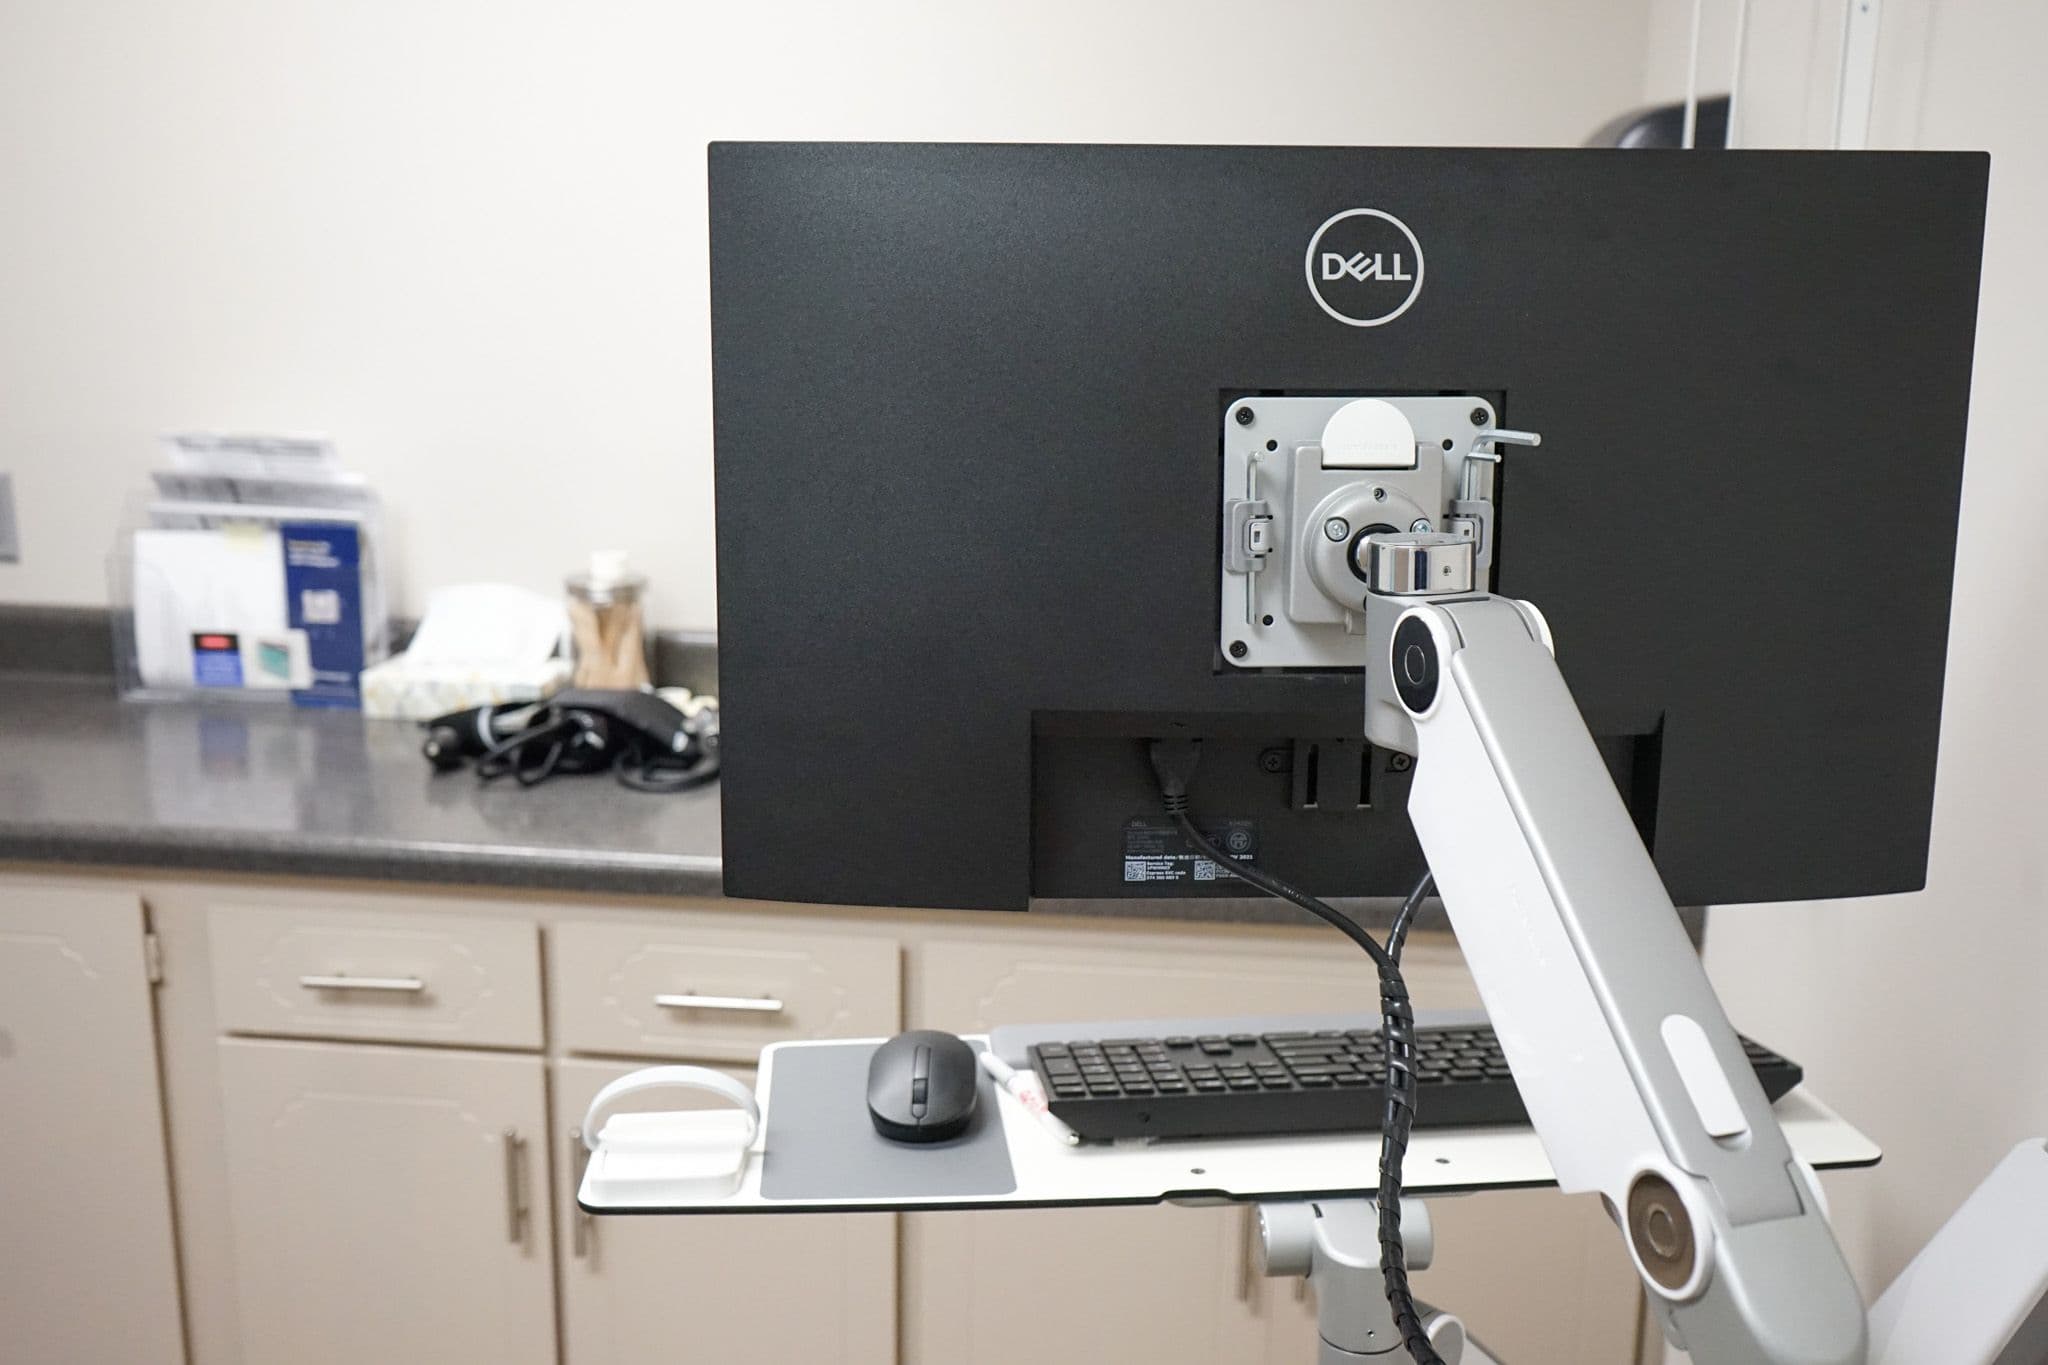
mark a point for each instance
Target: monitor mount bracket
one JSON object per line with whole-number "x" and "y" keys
{"x": 1307, "y": 482}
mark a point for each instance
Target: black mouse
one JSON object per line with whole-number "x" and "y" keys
{"x": 922, "y": 1086}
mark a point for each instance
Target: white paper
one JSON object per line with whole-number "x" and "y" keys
{"x": 489, "y": 626}
{"x": 189, "y": 582}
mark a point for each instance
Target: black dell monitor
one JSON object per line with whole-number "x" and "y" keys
{"x": 975, "y": 407}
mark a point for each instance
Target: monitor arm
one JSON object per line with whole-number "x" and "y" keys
{"x": 1634, "y": 1080}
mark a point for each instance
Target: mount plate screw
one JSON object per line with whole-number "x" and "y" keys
{"x": 1237, "y": 649}
{"x": 1244, "y": 417}
{"x": 1479, "y": 417}
{"x": 1336, "y": 528}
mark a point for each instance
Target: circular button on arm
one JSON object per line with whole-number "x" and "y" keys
{"x": 1415, "y": 664}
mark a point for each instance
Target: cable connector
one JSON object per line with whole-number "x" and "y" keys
{"x": 1174, "y": 762}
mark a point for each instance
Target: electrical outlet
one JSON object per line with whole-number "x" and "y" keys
{"x": 10, "y": 534}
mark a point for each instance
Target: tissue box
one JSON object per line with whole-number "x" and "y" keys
{"x": 400, "y": 689}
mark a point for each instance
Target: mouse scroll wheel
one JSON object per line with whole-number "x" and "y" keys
{"x": 920, "y": 1080}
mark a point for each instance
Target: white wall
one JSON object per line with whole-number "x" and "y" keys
{"x": 466, "y": 238}
{"x": 1924, "y": 1018}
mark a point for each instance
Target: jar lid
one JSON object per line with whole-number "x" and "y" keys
{"x": 608, "y": 580}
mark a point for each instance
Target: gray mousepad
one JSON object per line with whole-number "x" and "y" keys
{"x": 820, "y": 1143}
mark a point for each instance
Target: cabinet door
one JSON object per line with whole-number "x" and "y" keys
{"x": 756, "y": 1289}
{"x": 87, "y": 1270}
{"x": 388, "y": 1204}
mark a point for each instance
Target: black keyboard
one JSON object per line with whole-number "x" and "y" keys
{"x": 1240, "y": 1084}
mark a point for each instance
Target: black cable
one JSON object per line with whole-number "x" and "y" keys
{"x": 1397, "y": 1031}
{"x": 515, "y": 753}
{"x": 646, "y": 770}
{"x": 1173, "y": 761}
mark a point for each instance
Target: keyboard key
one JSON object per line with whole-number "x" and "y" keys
{"x": 1215, "y": 1047}
{"x": 1208, "y": 1083}
{"x": 1314, "y": 1082}
{"x": 1180, "y": 1040}
{"x": 1241, "y": 1083}
{"x": 1243, "y": 1040}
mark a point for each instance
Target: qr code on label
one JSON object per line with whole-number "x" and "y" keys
{"x": 1205, "y": 871}
{"x": 320, "y": 607}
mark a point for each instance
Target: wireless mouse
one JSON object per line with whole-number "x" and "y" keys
{"x": 922, "y": 1086}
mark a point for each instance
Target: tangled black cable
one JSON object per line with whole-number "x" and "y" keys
{"x": 570, "y": 740}
{"x": 1173, "y": 761}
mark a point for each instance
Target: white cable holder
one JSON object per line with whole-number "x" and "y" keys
{"x": 680, "y": 1155}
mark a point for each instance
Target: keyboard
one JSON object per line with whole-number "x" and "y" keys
{"x": 1243, "y": 1084}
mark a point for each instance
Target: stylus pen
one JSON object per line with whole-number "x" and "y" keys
{"x": 1024, "y": 1086}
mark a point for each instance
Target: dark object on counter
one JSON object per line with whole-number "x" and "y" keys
{"x": 647, "y": 743}
{"x": 1663, "y": 126}
{"x": 922, "y": 1086}
{"x": 452, "y": 740}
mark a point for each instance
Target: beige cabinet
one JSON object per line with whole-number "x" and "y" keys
{"x": 757, "y": 1289}
{"x": 370, "y": 1098}
{"x": 87, "y": 1268}
{"x": 388, "y": 1203}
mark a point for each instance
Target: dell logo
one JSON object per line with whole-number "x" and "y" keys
{"x": 1364, "y": 267}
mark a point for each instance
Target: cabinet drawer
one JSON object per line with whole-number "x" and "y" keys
{"x": 423, "y": 978}
{"x": 718, "y": 994}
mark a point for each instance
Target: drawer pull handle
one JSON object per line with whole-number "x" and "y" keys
{"x": 579, "y": 1161}
{"x": 408, "y": 985}
{"x": 515, "y": 1186}
{"x": 758, "y": 1004}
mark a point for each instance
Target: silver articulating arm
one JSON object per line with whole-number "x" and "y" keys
{"x": 1368, "y": 522}
{"x": 1633, "y": 1077}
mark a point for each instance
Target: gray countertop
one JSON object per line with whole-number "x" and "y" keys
{"x": 256, "y": 788}
{"x": 85, "y": 778}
